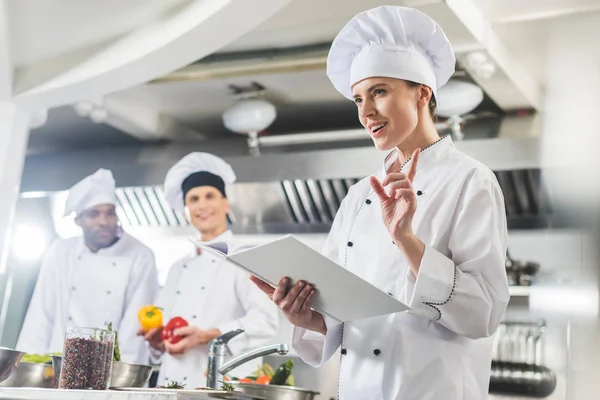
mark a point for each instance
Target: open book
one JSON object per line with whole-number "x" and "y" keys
{"x": 341, "y": 294}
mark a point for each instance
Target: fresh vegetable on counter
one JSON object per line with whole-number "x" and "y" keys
{"x": 265, "y": 375}
{"x": 263, "y": 380}
{"x": 172, "y": 325}
{"x": 265, "y": 370}
{"x": 117, "y": 351}
{"x": 39, "y": 358}
{"x": 173, "y": 385}
{"x": 283, "y": 373}
{"x": 150, "y": 317}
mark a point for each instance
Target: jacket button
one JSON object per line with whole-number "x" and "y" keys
{"x": 344, "y": 352}
{"x": 377, "y": 352}
{"x": 368, "y": 201}
{"x": 419, "y": 193}
{"x": 350, "y": 244}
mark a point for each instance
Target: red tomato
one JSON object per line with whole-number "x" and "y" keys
{"x": 172, "y": 325}
{"x": 263, "y": 380}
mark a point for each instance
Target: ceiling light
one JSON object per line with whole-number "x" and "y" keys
{"x": 250, "y": 117}
{"x": 458, "y": 98}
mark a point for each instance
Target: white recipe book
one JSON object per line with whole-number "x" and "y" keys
{"x": 341, "y": 294}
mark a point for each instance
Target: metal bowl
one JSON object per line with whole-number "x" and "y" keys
{"x": 123, "y": 374}
{"x": 9, "y": 361}
{"x": 275, "y": 392}
{"x": 56, "y": 364}
{"x": 32, "y": 375}
{"x": 129, "y": 375}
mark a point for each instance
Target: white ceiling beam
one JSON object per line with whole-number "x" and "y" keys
{"x": 511, "y": 86}
{"x": 144, "y": 122}
{"x": 6, "y": 68}
{"x": 198, "y": 29}
{"x": 562, "y": 11}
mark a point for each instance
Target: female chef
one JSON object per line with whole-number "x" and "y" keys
{"x": 429, "y": 228}
{"x": 212, "y": 295}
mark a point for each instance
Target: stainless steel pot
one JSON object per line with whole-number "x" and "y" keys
{"x": 275, "y": 392}
{"x": 129, "y": 375}
{"x": 32, "y": 375}
{"x": 9, "y": 361}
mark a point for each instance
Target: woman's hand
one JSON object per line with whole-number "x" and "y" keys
{"x": 399, "y": 202}
{"x": 191, "y": 336}
{"x": 295, "y": 302}
{"x": 398, "y": 209}
{"x": 153, "y": 337}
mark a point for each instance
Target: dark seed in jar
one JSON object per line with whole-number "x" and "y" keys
{"x": 86, "y": 364}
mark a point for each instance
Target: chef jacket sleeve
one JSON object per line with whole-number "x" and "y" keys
{"x": 142, "y": 289}
{"x": 314, "y": 348}
{"x": 36, "y": 332}
{"x": 467, "y": 290}
{"x": 260, "y": 321}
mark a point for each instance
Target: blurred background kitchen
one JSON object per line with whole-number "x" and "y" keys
{"x": 134, "y": 86}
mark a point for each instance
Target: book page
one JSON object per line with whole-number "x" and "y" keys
{"x": 221, "y": 249}
{"x": 340, "y": 293}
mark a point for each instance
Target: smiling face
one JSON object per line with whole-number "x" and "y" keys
{"x": 207, "y": 209}
{"x": 391, "y": 109}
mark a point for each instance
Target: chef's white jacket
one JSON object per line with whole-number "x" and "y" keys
{"x": 441, "y": 348}
{"x": 209, "y": 292}
{"x": 79, "y": 288}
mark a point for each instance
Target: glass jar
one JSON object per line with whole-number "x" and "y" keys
{"x": 87, "y": 359}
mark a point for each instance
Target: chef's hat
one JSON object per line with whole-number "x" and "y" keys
{"x": 196, "y": 169}
{"x": 391, "y": 42}
{"x": 94, "y": 190}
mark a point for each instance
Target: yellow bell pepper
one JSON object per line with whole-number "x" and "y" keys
{"x": 150, "y": 317}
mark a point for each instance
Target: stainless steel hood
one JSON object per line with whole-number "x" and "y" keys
{"x": 309, "y": 205}
{"x": 290, "y": 188}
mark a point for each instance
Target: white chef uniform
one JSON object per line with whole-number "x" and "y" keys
{"x": 211, "y": 293}
{"x": 79, "y": 288}
{"x": 441, "y": 349}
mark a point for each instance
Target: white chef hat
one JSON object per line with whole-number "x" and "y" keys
{"x": 94, "y": 190}
{"x": 391, "y": 42}
{"x": 196, "y": 169}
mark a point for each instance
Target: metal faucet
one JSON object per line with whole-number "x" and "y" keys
{"x": 217, "y": 349}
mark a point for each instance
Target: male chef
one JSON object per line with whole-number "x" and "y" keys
{"x": 92, "y": 280}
